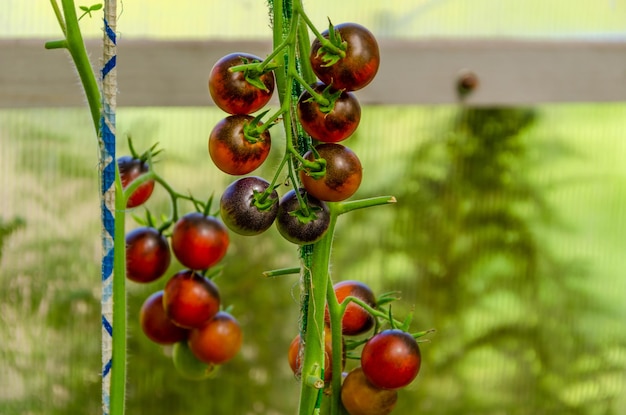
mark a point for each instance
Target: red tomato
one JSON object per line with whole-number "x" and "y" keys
{"x": 131, "y": 168}
{"x": 156, "y": 325}
{"x": 355, "y": 320}
{"x": 293, "y": 356}
{"x": 218, "y": 340}
{"x": 391, "y": 359}
{"x": 199, "y": 241}
{"x": 147, "y": 254}
{"x": 360, "y": 397}
{"x": 190, "y": 300}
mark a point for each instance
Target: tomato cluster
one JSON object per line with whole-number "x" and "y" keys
{"x": 328, "y": 112}
{"x": 389, "y": 360}
{"x": 187, "y": 312}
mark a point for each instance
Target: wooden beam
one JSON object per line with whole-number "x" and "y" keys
{"x": 174, "y": 73}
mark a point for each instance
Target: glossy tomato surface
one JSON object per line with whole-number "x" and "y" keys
{"x": 233, "y": 152}
{"x": 391, "y": 359}
{"x": 232, "y": 92}
{"x": 147, "y": 254}
{"x": 356, "y": 320}
{"x": 239, "y": 209}
{"x": 357, "y": 68}
{"x": 218, "y": 340}
{"x": 130, "y": 168}
{"x": 199, "y": 241}
{"x": 329, "y": 126}
{"x": 343, "y": 173}
{"x": 190, "y": 300}
{"x": 294, "y": 229}
{"x": 155, "y": 323}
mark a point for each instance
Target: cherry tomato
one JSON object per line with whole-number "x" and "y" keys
{"x": 293, "y": 355}
{"x": 356, "y": 320}
{"x": 131, "y": 168}
{"x": 360, "y": 397}
{"x": 156, "y": 325}
{"x": 343, "y": 173}
{"x": 239, "y": 211}
{"x": 199, "y": 241}
{"x": 233, "y": 152}
{"x": 329, "y": 126}
{"x": 190, "y": 300}
{"x": 357, "y": 68}
{"x": 187, "y": 364}
{"x": 391, "y": 359}
{"x": 147, "y": 254}
{"x": 218, "y": 340}
{"x": 232, "y": 92}
{"x": 302, "y": 231}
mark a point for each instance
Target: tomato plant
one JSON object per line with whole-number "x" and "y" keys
{"x": 155, "y": 323}
{"x": 218, "y": 340}
{"x": 199, "y": 241}
{"x": 355, "y": 320}
{"x": 130, "y": 168}
{"x": 246, "y": 208}
{"x": 357, "y": 68}
{"x": 240, "y": 92}
{"x": 334, "y": 120}
{"x": 190, "y": 300}
{"x": 341, "y": 177}
{"x": 391, "y": 359}
{"x": 147, "y": 254}
{"x": 237, "y": 147}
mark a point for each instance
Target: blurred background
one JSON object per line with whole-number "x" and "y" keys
{"x": 508, "y": 236}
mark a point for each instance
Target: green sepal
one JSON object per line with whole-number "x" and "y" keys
{"x": 251, "y": 131}
{"x": 305, "y": 214}
{"x": 334, "y": 49}
{"x": 261, "y": 201}
{"x": 329, "y": 97}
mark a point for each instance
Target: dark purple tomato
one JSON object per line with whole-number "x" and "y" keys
{"x": 329, "y": 126}
{"x": 147, "y": 254}
{"x": 241, "y": 210}
{"x": 199, "y": 241}
{"x": 391, "y": 359}
{"x": 343, "y": 173}
{"x": 131, "y": 168}
{"x": 155, "y": 323}
{"x": 357, "y": 68}
{"x": 190, "y": 300}
{"x": 233, "y": 152}
{"x": 300, "y": 230}
{"x": 232, "y": 92}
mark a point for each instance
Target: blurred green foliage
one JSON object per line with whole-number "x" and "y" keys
{"x": 477, "y": 245}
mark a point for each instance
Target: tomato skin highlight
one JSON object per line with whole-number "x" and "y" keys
{"x": 343, "y": 173}
{"x": 239, "y": 213}
{"x": 218, "y": 340}
{"x": 130, "y": 168}
{"x": 290, "y": 227}
{"x": 190, "y": 300}
{"x": 155, "y": 323}
{"x": 199, "y": 241}
{"x": 147, "y": 255}
{"x": 360, "y": 65}
{"x": 333, "y": 126}
{"x": 391, "y": 359}
{"x": 232, "y": 92}
{"x": 232, "y": 152}
{"x": 360, "y": 397}
{"x": 356, "y": 320}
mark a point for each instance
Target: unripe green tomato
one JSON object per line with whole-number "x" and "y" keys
{"x": 188, "y": 365}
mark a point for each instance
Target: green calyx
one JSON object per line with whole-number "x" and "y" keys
{"x": 327, "y": 99}
{"x": 254, "y": 129}
{"x": 334, "y": 48}
{"x": 262, "y": 201}
{"x": 253, "y": 71}
{"x": 305, "y": 214}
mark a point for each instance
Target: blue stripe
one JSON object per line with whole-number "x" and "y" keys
{"x": 107, "y": 265}
{"x": 107, "y": 326}
{"x": 108, "y": 66}
{"x": 110, "y": 33}
{"x": 107, "y": 368}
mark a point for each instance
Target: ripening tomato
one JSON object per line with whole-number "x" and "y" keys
{"x": 199, "y": 241}
{"x": 359, "y": 65}
{"x": 299, "y": 230}
{"x": 343, "y": 173}
{"x": 240, "y": 210}
{"x": 147, "y": 254}
{"x": 232, "y": 92}
{"x": 391, "y": 359}
{"x": 329, "y": 126}
{"x": 155, "y": 323}
{"x": 131, "y": 168}
{"x": 294, "y": 359}
{"x": 190, "y": 300}
{"x": 218, "y": 340}
{"x": 356, "y": 320}
{"x": 360, "y": 397}
{"x": 233, "y": 151}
